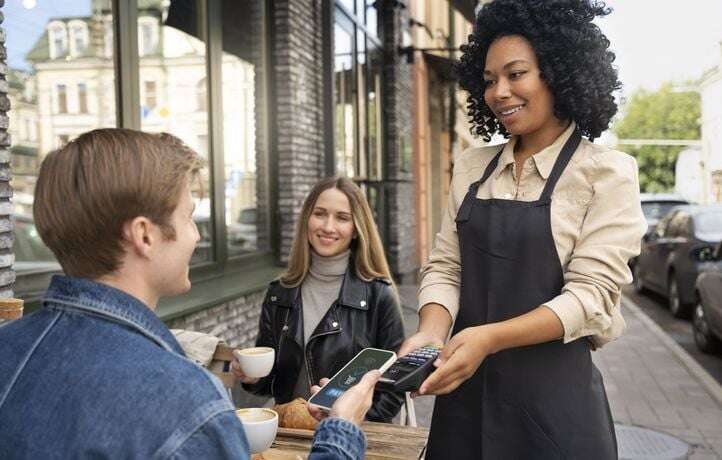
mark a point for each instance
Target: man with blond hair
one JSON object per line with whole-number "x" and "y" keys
{"x": 94, "y": 372}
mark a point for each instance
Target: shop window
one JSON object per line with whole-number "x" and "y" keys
{"x": 170, "y": 94}
{"x": 49, "y": 86}
{"x": 174, "y": 89}
{"x": 357, "y": 70}
{"x": 242, "y": 92}
{"x": 344, "y": 70}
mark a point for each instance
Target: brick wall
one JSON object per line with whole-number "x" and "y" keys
{"x": 400, "y": 192}
{"x": 298, "y": 64}
{"x": 236, "y": 321}
{"x": 7, "y": 274}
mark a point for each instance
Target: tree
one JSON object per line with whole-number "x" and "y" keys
{"x": 663, "y": 114}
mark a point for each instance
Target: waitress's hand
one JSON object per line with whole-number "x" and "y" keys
{"x": 418, "y": 340}
{"x": 459, "y": 359}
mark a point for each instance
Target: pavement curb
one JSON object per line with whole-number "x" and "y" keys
{"x": 707, "y": 381}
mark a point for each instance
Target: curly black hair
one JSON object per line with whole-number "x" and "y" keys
{"x": 573, "y": 54}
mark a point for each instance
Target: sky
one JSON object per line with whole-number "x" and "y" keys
{"x": 655, "y": 40}
{"x": 663, "y": 40}
{"x": 24, "y": 26}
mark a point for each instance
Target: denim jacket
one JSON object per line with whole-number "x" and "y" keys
{"x": 95, "y": 373}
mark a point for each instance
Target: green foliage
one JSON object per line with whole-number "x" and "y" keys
{"x": 663, "y": 114}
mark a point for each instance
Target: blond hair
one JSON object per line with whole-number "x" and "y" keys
{"x": 88, "y": 189}
{"x": 369, "y": 258}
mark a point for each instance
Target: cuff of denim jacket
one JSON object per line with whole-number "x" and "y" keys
{"x": 571, "y": 314}
{"x": 341, "y": 436}
{"x": 445, "y": 295}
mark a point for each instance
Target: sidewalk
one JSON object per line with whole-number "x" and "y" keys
{"x": 651, "y": 382}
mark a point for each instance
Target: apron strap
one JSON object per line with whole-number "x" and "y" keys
{"x": 465, "y": 208}
{"x": 489, "y": 169}
{"x": 570, "y": 146}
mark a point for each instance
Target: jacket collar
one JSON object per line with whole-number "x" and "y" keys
{"x": 543, "y": 160}
{"x": 354, "y": 293}
{"x": 100, "y": 300}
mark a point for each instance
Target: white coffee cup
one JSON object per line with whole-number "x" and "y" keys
{"x": 260, "y": 425}
{"x": 256, "y": 362}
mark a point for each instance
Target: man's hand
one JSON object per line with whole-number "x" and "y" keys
{"x": 458, "y": 361}
{"x": 353, "y": 404}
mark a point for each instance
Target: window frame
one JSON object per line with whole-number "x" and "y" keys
{"x": 126, "y": 56}
{"x": 82, "y": 89}
{"x": 77, "y": 30}
{"x": 57, "y": 30}
{"x": 61, "y": 109}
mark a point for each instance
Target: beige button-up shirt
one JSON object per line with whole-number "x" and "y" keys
{"x": 596, "y": 221}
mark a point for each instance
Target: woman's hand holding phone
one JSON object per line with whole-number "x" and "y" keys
{"x": 353, "y": 404}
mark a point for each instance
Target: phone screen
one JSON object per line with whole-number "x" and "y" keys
{"x": 367, "y": 360}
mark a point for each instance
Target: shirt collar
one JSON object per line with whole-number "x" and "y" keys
{"x": 90, "y": 297}
{"x": 543, "y": 160}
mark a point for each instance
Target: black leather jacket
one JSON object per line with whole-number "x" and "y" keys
{"x": 366, "y": 314}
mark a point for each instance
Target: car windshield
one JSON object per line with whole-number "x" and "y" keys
{"x": 655, "y": 210}
{"x": 709, "y": 222}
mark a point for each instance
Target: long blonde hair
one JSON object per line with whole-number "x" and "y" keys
{"x": 367, "y": 249}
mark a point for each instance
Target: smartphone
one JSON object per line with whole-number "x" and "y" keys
{"x": 366, "y": 360}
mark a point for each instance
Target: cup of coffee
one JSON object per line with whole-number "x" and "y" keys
{"x": 260, "y": 425}
{"x": 256, "y": 362}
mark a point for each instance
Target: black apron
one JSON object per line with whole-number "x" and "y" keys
{"x": 543, "y": 401}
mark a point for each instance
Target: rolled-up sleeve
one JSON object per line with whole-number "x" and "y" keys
{"x": 440, "y": 277}
{"x": 611, "y": 234}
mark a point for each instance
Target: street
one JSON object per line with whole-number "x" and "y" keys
{"x": 655, "y": 306}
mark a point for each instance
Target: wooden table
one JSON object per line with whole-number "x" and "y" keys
{"x": 383, "y": 441}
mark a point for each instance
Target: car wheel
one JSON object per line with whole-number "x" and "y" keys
{"x": 705, "y": 340}
{"x": 637, "y": 280}
{"x": 676, "y": 306}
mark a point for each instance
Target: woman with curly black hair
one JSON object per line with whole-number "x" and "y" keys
{"x": 534, "y": 246}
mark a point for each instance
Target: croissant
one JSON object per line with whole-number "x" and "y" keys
{"x": 295, "y": 414}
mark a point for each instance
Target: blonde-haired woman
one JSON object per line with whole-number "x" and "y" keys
{"x": 335, "y": 299}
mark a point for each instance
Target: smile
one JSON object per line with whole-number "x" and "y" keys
{"x": 511, "y": 111}
{"x": 327, "y": 239}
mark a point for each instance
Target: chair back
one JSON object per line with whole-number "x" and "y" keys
{"x": 220, "y": 365}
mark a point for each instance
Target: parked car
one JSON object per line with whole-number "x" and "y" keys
{"x": 670, "y": 257}
{"x": 31, "y": 254}
{"x": 707, "y": 318}
{"x": 657, "y": 205}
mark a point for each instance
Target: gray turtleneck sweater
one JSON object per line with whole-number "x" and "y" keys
{"x": 319, "y": 291}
